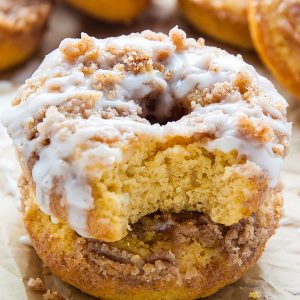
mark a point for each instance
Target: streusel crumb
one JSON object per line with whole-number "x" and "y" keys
{"x": 53, "y": 295}
{"x": 36, "y": 284}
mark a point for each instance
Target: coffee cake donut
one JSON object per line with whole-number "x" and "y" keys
{"x": 275, "y": 29}
{"x": 108, "y": 131}
{"x": 165, "y": 256}
{"x": 224, "y": 20}
{"x": 22, "y": 24}
{"x": 111, "y": 11}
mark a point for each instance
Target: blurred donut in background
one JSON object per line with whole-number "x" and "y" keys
{"x": 275, "y": 29}
{"x": 224, "y": 20}
{"x": 111, "y": 10}
{"x": 22, "y": 24}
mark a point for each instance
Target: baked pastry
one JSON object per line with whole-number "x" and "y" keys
{"x": 165, "y": 256}
{"x": 135, "y": 124}
{"x": 111, "y": 11}
{"x": 135, "y": 129}
{"x": 224, "y": 20}
{"x": 22, "y": 24}
{"x": 275, "y": 30}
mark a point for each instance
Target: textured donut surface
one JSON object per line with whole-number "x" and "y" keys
{"x": 275, "y": 28}
{"x": 108, "y": 131}
{"x": 224, "y": 20}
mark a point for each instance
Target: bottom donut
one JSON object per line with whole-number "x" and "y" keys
{"x": 165, "y": 256}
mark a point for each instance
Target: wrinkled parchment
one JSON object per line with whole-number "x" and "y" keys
{"x": 277, "y": 274}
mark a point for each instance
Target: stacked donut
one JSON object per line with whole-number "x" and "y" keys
{"x": 150, "y": 164}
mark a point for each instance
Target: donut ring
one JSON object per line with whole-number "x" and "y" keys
{"x": 224, "y": 20}
{"x": 111, "y": 11}
{"x": 275, "y": 29}
{"x": 22, "y": 24}
{"x": 109, "y": 131}
{"x": 165, "y": 256}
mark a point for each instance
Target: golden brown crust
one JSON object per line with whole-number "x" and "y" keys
{"x": 224, "y": 20}
{"x": 275, "y": 31}
{"x": 166, "y": 256}
{"x": 111, "y": 11}
{"x": 22, "y": 24}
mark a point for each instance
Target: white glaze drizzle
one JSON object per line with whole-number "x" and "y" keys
{"x": 25, "y": 240}
{"x": 189, "y": 69}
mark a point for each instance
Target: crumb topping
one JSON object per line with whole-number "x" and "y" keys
{"x": 23, "y": 15}
{"x": 254, "y": 295}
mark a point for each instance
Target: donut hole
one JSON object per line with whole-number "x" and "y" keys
{"x": 153, "y": 110}
{"x": 177, "y": 112}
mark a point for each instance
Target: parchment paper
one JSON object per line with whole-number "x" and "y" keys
{"x": 277, "y": 274}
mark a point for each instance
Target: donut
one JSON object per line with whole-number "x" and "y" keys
{"x": 275, "y": 29}
{"x": 113, "y": 133}
{"x": 135, "y": 124}
{"x": 22, "y": 24}
{"x": 166, "y": 255}
{"x": 224, "y": 20}
{"x": 111, "y": 11}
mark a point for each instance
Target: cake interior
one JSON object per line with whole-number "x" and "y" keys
{"x": 173, "y": 177}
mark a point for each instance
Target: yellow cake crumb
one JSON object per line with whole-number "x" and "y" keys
{"x": 255, "y": 295}
{"x": 174, "y": 178}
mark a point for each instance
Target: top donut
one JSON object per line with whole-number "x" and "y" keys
{"x": 110, "y": 130}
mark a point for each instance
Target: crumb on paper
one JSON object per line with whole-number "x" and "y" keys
{"x": 255, "y": 295}
{"x": 53, "y": 295}
{"x": 36, "y": 284}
